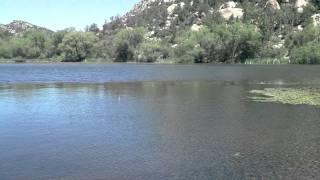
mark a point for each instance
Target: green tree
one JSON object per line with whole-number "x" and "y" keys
{"x": 151, "y": 51}
{"x": 126, "y": 41}
{"x": 189, "y": 49}
{"x": 18, "y": 47}
{"x": 123, "y": 52}
{"x": 307, "y": 54}
{"x": 57, "y": 39}
{"x": 31, "y": 45}
{"x": 302, "y": 44}
{"x": 232, "y": 43}
{"x": 5, "y": 51}
{"x": 310, "y": 33}
{"x": 38, "y": 44}
{"x": 94, "y": 28}
{"x": 134, "y": 36}
{"x": 77, "y": 46}
{"x": 240, "y": 41}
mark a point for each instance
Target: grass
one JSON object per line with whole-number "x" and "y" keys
{"x": 268, "y": 61}
{"x": 293, "y": 96}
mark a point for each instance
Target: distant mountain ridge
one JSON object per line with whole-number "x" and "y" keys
{"x": 17, "y": 27}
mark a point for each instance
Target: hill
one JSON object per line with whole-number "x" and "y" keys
{"x": 183, "y": 31}
{"x": 169, "y": 16}
{"x": 19, "y": 27}
{"x": 278, "y": 23}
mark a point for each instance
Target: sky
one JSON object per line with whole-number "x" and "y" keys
{"x": 61, "y": 14}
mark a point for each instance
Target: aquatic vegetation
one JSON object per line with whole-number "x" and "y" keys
{"x": 294, "y": 96}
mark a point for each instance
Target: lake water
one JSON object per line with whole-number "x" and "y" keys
{"x": 155, "y": 122}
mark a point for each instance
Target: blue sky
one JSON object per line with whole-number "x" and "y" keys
{"x": 60, "y": 14}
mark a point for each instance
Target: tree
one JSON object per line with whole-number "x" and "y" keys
{"x": 134, "y": 36}
{"x": 115, "y": 23}
{"x": 33, "y": 44}
{"x": 307, "y": 54}
{"x": 94, "y": 28}
{"x": 57, "y": 39}
{"x": 151, "y": 51}
{"x": 240, "y": 41}
{"x": 232, "y": 43}
{"x": 5, "y": 50}
{"x": 4, "y": 35}
{"x": 310, "y": 33}
{"x": 304, "y": 46}
{"x": 126, "y": 41}
{"x": 123, "y": 52}
{"x": 38, "y": 44}
{"x": 77, "y": 46}
{"x": 189, "y": 49}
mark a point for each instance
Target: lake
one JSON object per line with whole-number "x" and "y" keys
{"x": 155, "y": 122}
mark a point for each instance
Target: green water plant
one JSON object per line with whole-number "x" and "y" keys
{"x": 293, "y": 96}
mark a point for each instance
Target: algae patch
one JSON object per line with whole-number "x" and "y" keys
{"x": 294, "y": 96}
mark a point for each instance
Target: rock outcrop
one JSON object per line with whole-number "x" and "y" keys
{"x": 273, "y": 4}
{"x": 300, "y": 4}
{"x": 196, "y": 27}
{"x": 229, "y": 10}
{"x": 20, "y": 27}
{"x": 171, "y": 8}
{"x": 166, "y": 16}
{"x": 142, "y": 5}
{"x": 316, "y": 19}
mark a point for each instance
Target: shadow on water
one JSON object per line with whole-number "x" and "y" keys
{"x": 154, "y": 130}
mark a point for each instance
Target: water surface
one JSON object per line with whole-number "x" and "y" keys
{"x": 155, "y": 122}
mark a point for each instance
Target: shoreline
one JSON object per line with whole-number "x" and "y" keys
{"x": 32, "y": 61}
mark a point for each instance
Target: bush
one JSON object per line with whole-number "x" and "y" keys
{"x": 231, "y": 43}
{"x": 273, "y": 49}
{"x": 152, "y": 51}
{"x": 191, "y": 46}
{"x": 125, "y": 43}
{"x": 5, "y": 51}
{"x": 77, "y": 46}
{"x": 295, "y": 39}
{"x": 306, "y": 54}
{"x": 264, "y": 60}
{"x": 123, "y": 52}
{"x": 188, "y": 53}
{"x": 134, "y": 36}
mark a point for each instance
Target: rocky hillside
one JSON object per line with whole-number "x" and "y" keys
{"x": 284, "y": 29}
{"x": 20, "y": 27}
{"x": 163, "y": 17}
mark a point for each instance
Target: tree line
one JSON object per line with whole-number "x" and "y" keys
{"x": 262, "y": 34}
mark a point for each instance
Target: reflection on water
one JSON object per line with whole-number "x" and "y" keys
{"x": 153, "y": 130}
{"x": 106, "y": 73}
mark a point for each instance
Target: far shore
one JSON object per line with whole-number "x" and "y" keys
{"x": 107, "y": 61}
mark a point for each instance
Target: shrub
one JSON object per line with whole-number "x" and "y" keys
{"x": 125, "y": 43}
{"x": 77, "y": 46}
{"x": 152, "y": 51}
{"x": 123, "y": 52}
{"x": 232, "y": 43}
{"x": 306, "y": 54}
